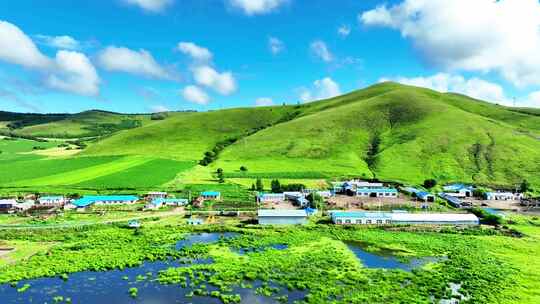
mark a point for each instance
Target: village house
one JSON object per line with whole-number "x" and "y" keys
{"x": 298, "y": 198}
{"x": 502, "y": 196}
{"x": 352, "y": 186}
{"x": 55, "y": 200}
{"x": 89, "y": 200}
{"x": 26, "y": 205}
{"x": 156, "y": 194}
{"x": 402, "y": 218}
{"x": 458, "y": 190}
{"x": 419, "y": 194}
{"x": 282, "y": 217}
{"x": 7, "y": 205}
{"x": 161, "y": 202}
{"x": 452, "y": 200}
{"x": 377, "y": 192}
{"x": 211, "y": 195}
{"x": 270, "y": 197}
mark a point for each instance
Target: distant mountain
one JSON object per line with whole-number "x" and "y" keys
{"x": 388, "y": 131}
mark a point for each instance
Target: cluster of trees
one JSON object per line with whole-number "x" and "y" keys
{"x": 276, "y": 186}
{"x": 210, "y": 156}
{"x": 219, "y": 173}
{"x": 159, "y": 116}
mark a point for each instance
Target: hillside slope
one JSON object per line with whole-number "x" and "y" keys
{"x": 388, "y": 131}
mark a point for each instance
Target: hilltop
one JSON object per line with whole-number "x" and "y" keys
{"x": 387, "y": 131}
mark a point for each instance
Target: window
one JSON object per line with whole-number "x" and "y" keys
{"x": 379, "y": 221}
{"x": 347, "y": 221}
{"x": 387, "y": 194}
{"x": 358, "y": 221}
{"x": 368, "y": 221}
{"x": 338, "y": 221}
{"x": 388, "y": 221}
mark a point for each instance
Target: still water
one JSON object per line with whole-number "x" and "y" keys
{"x": 113, "y": 286}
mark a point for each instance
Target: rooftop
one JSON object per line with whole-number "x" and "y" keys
{"x": 210, "y": 193}
{"x": 90, "y": 199}
{"x": 281, "y": 212}
{"x": 52, "y": 197}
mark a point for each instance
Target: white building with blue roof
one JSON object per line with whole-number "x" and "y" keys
{"x": 402, "y": 218}
{"x": 211, "y": 195}
{"x": 89, "y": 200}
{"x": 381, "y": 192}
{"x": 161, "y": 202}
{"x": 282, "y": 217}
{"x": 458, "y": 190}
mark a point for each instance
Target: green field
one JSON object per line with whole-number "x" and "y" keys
{"x": 387, "y": 131}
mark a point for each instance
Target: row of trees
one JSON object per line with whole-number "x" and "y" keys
{"x": 276, "y": 186}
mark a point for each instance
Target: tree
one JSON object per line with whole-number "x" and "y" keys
{"x": 220, "y": 176}
{"x": 259, "y": 185}
{"x": 243, "y": 168}
{"x": 430, "y": 183}
{"x": 252, "y": 187}
{"x": 159, "y": 116}
{"x": 315, "y": 200}
{"x": 275, "y": 185}
{"x": 525, "y": 186}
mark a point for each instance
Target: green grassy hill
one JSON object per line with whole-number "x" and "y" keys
{"x": 388, "y": 131}
{"x": 85, "y": 124}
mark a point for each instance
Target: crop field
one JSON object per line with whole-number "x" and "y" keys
{"x": 21, "y": 149}
{"x": 153, "y": 173}
{"x": 315, "y": 261}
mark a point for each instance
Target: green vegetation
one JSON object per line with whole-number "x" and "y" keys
{"x": 490, "y": 266}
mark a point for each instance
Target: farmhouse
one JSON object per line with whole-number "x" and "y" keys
{"x": 402, "y": 218}
{"x": 270, "y": 197}
{"x": 501, "y": 196}
{"x": 282, "y": 217}
{"x": 458, "y": 190}
{"x": 298, "y": 198}
{"x": 7, "y": 205}
{"x": 419, "y": 194}
{"x": 154, "y": 195}
{"x": 20, "y": 207}
{"x": 352, "y": 185}
{"x": 88, "y": 200}
{"x": 377, "y": 192}
{"x": 160, "y": 202}
{"x": 454, "y": 201}
{"x": 56, "y": 200}
{"x": 211, "y": 195}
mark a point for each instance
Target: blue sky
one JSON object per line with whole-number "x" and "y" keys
{"x": 152, "y": 55}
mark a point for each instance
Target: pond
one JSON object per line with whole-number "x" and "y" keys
{"x": 387, "y": 259}
{"x": 113, "y": 286}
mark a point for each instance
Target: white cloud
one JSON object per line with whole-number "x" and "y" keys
{"x": 194, "y": 51}
{"x": 481, "y": 35}
{"x": 70, "y": 71}
{"x": 344, "y": 30}
{"x": 473, "y": 87}
{"x": 195, "y": 94}
{"x": 17, "y": 48}
{"x": 319, "y": 49}
{"x": 140, "y": 62}
{"x": 275, "y": 45}
{"x": 154, "y": 6}
{"x": 533, "y": 100}
{"x": 75, "y": 73}
{"x": 59, "y": 42}
{"x": 256, "y": 7}
{"x": 264, "y": 101}
{"x": 159, "y": 109}
{"x": 322, "y": 89}
{"x": 223, "y": 83}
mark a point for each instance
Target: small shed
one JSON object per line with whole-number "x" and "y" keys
{"x": 194, "y": 221}
{"x": 211, "y": 195}
{"x": 134, "y": 224}
{"x": 282, "y": 216}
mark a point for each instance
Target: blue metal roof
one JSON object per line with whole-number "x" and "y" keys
{"x": 361, "y": 214}
{"x": 423, "y": 194}
{"x": 383, "y": 190}
{"x": 457, "y": 187}
{"x": 210, "y": 193}
{"x": 90, "y": 199}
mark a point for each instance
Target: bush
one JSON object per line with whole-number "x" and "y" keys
{"x": 430, "y": 183}
{"x": 159, "y": 116}
{"x": 243, "y": 168}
